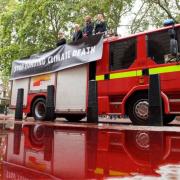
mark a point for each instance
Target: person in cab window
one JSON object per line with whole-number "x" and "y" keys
{"x": 61, "y": 39}
{"x": 88, "y": 27}
{"x": 77, "y": 33}
{"x": 100, "y": 25}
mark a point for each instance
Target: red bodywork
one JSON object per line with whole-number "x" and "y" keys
{"x": 114, "y": 93}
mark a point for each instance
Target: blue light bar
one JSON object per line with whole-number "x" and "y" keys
{"x": 168, "y": 22}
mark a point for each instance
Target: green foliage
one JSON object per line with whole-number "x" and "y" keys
{"x": 153, "y": 13}
{"x": 31, "y": 26}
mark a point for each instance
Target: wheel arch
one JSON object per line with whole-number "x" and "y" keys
{"x": 144, "y": 89}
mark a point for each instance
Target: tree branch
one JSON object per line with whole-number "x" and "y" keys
{"x": 166, "y": 10}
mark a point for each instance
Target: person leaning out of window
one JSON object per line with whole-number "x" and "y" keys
{"x": 88, "y": 27}
{"x": 77, "y": 33}
{"x": 61, "y": 39}
{"x": 100, "y": 25}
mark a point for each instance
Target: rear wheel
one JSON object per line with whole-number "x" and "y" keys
{"x": 39, "y": 109}
{"x": 74, "y": 117}
{"x": 137, "y": 109}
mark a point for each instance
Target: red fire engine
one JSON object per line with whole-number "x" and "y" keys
{"x": 122, "y": 75}
{"x": 124, "y": 70}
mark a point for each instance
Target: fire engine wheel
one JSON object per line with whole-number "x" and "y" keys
{"x": 74, "y": 117}
{"x": 39, "y": 109}
{"x": 138, "y": 110}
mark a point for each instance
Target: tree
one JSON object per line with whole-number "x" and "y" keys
{"x": 28, "y": 27}
{"x": 152, "y": 13}
{"x": 31, "y": 26}
{"x": 113, "y": 10}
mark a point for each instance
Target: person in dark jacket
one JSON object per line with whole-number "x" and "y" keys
{"x": 61, "y": 39}
{"x": 88, "y": 28}
{"x": 77, "y": 33}
{"x": 100, "y": 26}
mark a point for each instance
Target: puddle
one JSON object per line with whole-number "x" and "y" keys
{"x": 58, "y": 152}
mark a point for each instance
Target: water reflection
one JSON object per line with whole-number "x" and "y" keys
{"x": 3, "y": 145}
{"x": 46, "y": 152}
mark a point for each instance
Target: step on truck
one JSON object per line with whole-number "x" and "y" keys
{"x": 120, "y": 65}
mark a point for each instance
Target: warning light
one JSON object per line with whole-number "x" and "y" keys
{"x": 168, "y": 22}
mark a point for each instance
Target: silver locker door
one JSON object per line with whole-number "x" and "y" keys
{"x": 71, "y": 89}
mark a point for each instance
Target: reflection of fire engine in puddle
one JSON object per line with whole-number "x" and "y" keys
{"x": 3, "y": 142}
{"x": 76, "y": 153}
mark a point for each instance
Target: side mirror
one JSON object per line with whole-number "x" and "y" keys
{"x": 173, "y": 47}
{"x": 172, "y": 33}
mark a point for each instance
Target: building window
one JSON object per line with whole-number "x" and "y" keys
{"x": 122, "y": 54}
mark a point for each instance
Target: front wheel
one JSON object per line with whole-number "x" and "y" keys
{"x": 138, "y": 110}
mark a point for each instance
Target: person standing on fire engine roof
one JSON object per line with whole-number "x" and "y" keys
{"x": 88, "y": 28}
{"x": 77, "y": 33}
{"x": 100, "y": 25}
{"x": 61, "y": 39}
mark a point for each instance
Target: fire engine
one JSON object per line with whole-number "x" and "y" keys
{"x": 122, "y": 76}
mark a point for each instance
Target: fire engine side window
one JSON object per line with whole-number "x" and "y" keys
{"x": 178, "y": 37}
{"x": 159, "y": 46}
{"x": 122, "y": 54}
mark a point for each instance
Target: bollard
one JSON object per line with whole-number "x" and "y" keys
{"x": 50, "y": 107}
{"x": 155, "y": 102}
{"x": 92, "y": 111}
{"x": 92, "y": 70}
{"x": 19, "y": 104}
{"x": 17, "y": 138}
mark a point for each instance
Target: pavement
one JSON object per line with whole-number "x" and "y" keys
{"x": 7, "y": 121}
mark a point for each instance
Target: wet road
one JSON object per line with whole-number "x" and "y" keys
{"x": 62, "y": 150}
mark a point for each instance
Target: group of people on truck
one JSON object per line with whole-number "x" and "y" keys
{"x": 89, "y": 29}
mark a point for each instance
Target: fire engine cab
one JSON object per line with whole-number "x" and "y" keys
{"x": 122, "y": 75}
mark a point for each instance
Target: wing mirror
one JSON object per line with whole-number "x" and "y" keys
{"x": 173, "y": 42}
{"x": 173, "y": 47}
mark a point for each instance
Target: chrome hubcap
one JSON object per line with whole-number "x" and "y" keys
{"x": 40, "y": 110}
{"x": 141, "y": 109}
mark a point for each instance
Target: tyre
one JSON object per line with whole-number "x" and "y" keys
{"x": 167, "y": 118}
{"x": 39, "y": 109}
{"x": 137, "y": 109}
{"x": 74, "y": 117}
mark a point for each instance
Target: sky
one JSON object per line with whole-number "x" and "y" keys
{"x": 126, "y": 20}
